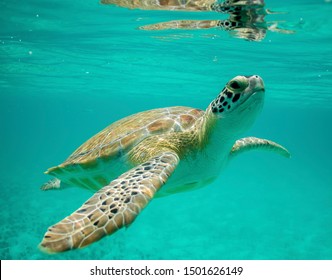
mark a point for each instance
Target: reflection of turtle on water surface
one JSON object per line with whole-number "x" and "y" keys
{"x": 246, "y": 17}
{"x": 247, "y": 24}
{"x": 157, "y": 152}
{"x": 227, "y": 6}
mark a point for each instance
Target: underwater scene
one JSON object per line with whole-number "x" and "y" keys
{"x": 68, "y": 69}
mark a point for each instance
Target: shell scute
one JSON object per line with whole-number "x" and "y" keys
{"x": 160, "y": 126}
{"x": 186, "y": 120}
{"x": 132, "y": 138}
{"x": 110, "y": 150}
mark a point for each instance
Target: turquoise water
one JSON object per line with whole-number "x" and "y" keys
{"x": 68, "y": 69}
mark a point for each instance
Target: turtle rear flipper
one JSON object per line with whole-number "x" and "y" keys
{"x": 51, "y": 184}
{"x": 112, "y": 207}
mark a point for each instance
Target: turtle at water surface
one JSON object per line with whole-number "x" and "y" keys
{"x": 154, "y": 153}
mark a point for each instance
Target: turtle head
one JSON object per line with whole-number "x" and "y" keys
{"x": 239, "y": 102}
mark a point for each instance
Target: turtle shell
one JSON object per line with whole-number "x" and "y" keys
{"x": 108, "y": 147}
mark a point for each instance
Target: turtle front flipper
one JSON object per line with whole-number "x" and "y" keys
{"x": 112, "y": 207}
{"x": 251, "y": 143}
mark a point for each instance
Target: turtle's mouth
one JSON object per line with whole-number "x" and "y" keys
{"x": 252, "y": 100}
{"x": 257, "y": 94}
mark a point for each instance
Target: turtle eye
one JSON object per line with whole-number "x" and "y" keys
{"x": 234, "y": 85}
{"x": 238, "y": 84}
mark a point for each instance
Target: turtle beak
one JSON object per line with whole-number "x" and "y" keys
{"x": 256, "y": 83}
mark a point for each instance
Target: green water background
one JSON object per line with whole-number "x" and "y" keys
{"x": 68, "y": 69}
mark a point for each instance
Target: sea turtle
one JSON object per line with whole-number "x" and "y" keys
{"x": 227, "y": 6}
{"x": 132, "y": 159}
